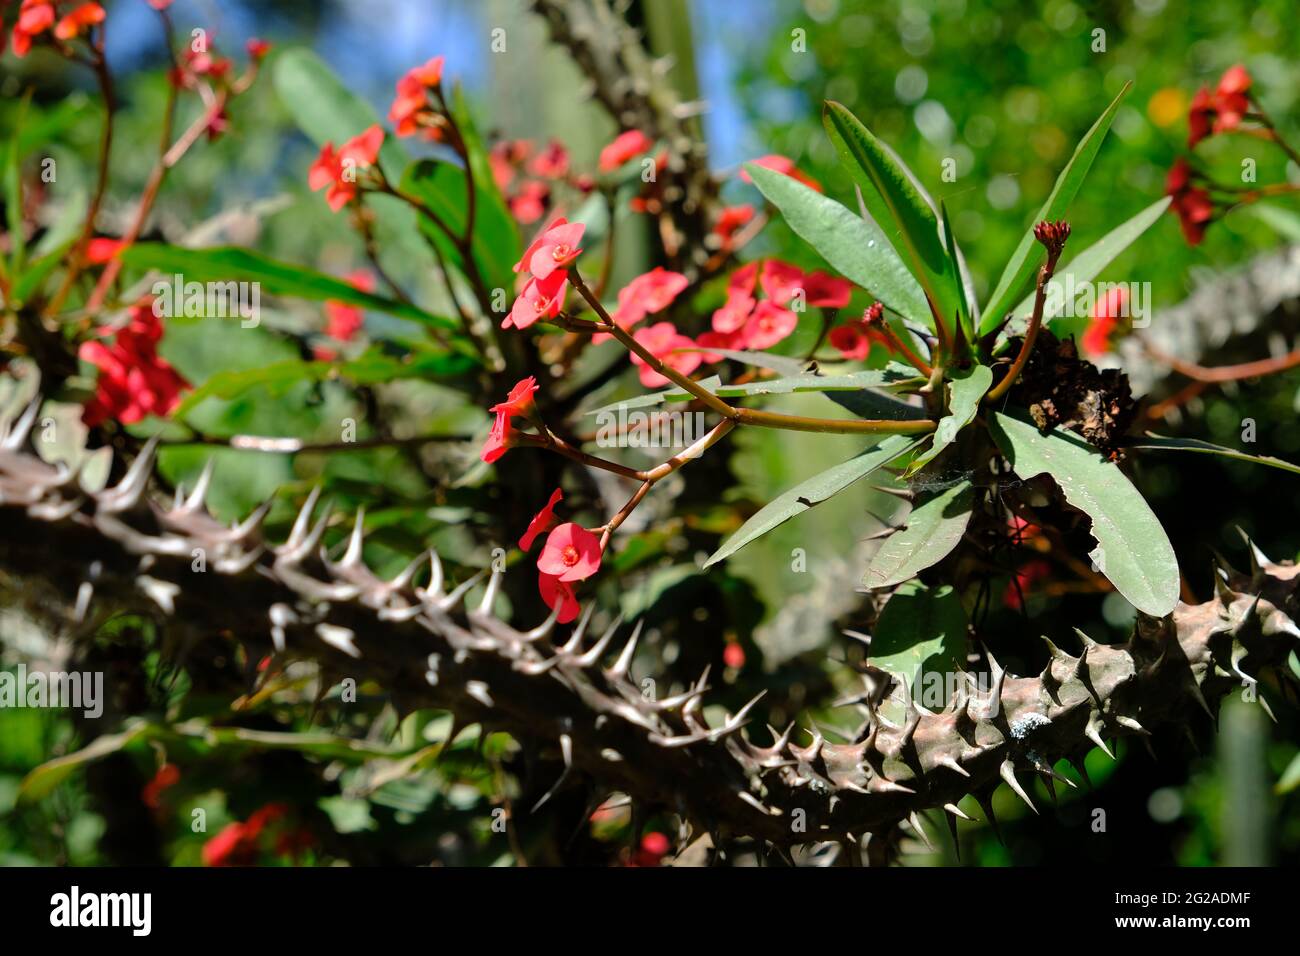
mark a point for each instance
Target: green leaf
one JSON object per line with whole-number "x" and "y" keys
{"x": 1290, "y": 777}
{"x": 934, "y": 528}
{"x": 921, "y": 630}
{"x": 815, "y": 490}
{"x": 368, "y": 368}
{"x": 228, "y": 263}
{"x": 1132, "y": 550}
{"x": 773, "y": 363}
{"x": 37, "y": 271}
{"x": 1088, "y": 264}
{"x": 1158, "y": 443}
{"x": 658, "y": 398}
{"x": 1020, "y": 267}
{"x": 854, "y": 247}
{"x": 891, "y": 194}
{"x": 963, "y": 317}
{"x": 1283, "y": 221}
{"x": 41, "y": 781}
{"x": 965, "y": 392}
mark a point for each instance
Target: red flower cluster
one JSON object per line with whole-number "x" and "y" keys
{"x": 546, "y": 261}
{"x": 729, "y": 220}
{"x": 854, "y": 340}
{"x": 571, "y": 553}
{"x": 412, "y": 110}
{"x": 79, "y": 21}
{"x": 624, "y": 147}
{"x": 200, "y": 65}
{"x": 34, "y": 18}
{"x": 1192, "y": 204}
{"x": 167, "y": 776}
{"x": 746, "y": 322}
{"x": 783, "y": 165}
{"x": 134, "y": 381}
{"x": 1107, "y": 312}
{"x": 343, "y": 320}
{"x": 1222, "y": 110}
{"x": 339, "y": 169}
{"x": 518, "y": 404}
{"x": 647, "y": 294}
{"x": 238, "y": 844}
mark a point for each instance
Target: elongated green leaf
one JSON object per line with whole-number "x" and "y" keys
{"x": 933, "y": 529}
{"x": 41, "y": 781}
{"x": 854, "y": 247}
{"x": 658, "y": 398}
{"x": 780, "y": 364}
{"x": 38, "y": 270}
{"x": 228, "y": 263}
{"x": 921, "y": 630}
{"x": 1132, "y": 550}
{"x": 964, "y": 395}
{"x": 1158, "y": 443}
{"x": 368, "y": 368}
{"x": 1283, "y": 221}
{"x": 1088, "y": 264}
{"x": 1290, "y": 778}
{"x": 959, "y": 277}
{"x": 890, "y": 192}
{"x": 1020, "y": 267}
{"x": 815, "y": 490}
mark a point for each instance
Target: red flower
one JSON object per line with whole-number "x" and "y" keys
{"x": 342, "y": 321}
{"x": 556, "y": 248}
{"x": 1199, "y": 117}
{"x": 338, "y": 170}
{"x": 1106, "y": 314}
{"x": 552, "y": 162}
{"x": 230, "y": 847}
{"x": 851, "y": 341}
{"x": 519, "y": 403}
{"x": 826, "y": 291}
{"x": 654, "y": 847}
{"x": 168, "y": 776}
{"x": 1028, "y": 575}
{"x": 1232, "y": 98}
{"x": 541, "y": 299}
{"x": 716, "y": 340}
{"x": 34, "y": 18}
{"x": 134, "y": 381}
{"x": 411, "y": 106}
{"x": 79, "y": 21}
{"x": 1191, "y": 204}
{"x": 160, "y": 4}
{"x": 529, "y": 204}
{"x": 662, "y": 340}
{"x": 733, "y": 655}
{"x": 783, "y": 165}
{"x": 740, "y": 300}
{"x": 780, "y": 280}
{"x": 730, "y": 219}
{"x": 571, "y": 553}
{"x": 647, "y": 294}
{"x": 257, "y": 49}
{"x": 625, "y": 146}
{"x": 542, "y": 522}
{"x": 554, "y": 591}
{"x": 768, "y": 325}
{"x": 100, "y": 249}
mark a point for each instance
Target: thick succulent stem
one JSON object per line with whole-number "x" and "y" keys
{"x": 70, "y": 554}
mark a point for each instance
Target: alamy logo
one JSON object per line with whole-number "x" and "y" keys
{"x": 633, "y": 428}
{"x": 220, "y": 300}
{"x": 133, "y": 910}
{"x": 82, "y": 691}
{"x": 1070, "y": 299}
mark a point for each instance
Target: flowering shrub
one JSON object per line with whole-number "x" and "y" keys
{"x": 436, "y": 369}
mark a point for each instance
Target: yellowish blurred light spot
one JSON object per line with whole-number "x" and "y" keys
{"x": 1166, "y": 107}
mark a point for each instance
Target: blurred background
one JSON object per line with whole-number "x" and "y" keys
{"x": 1001, "y": 91}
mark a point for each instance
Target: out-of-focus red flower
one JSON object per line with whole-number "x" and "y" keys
{"x": 542, "y": 522}
{"x": 339, "y": 170}
{"x": 662, "y": 340}
{"x": 571, "y": 553}
{"x": 238, "y": 844}
{"x": 100, "y": 249}
{"x": 740, "y": 300}
{"x": 826, "y": 291}
{"x": 134, "y": 381}
{"x": 768, "y": 325}
{"x": 851, "y": 341}
{"x": 730, "y": 219}
{"x": 34, "y": 18}
{"x": 552, "y": 162}
{"x": 783, "y": 165}
{"x": 528, "y": 204}
{"x": 1029, "y": 574}
{"x": 780, "y": 280}
{"x": 230, "y": 847}
{"x": 1191, "y": 204}
{"x": 654, "y": 847}
{"x": 1105, "y": 318}
{"x": 218, "y": 122}
{"x": 257, "y": 49}
{"x": 716, "y": 340}
{"x": 733, "y": 655}
{"x": 79, "y": 21}
{"x": 1232, "y": 98}
{"x": 1200, "y": 116}
{"x": 647, "y": 294}
{"x": 160, "y": 4}
{"x": 166, "y": 777}
{"x": 553, "y": 592}
{"x": 342, "y": 320}
{"x": 624, "y": 146}
{"x": 541, "y": 299}
{"x": 411, "y": 108}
